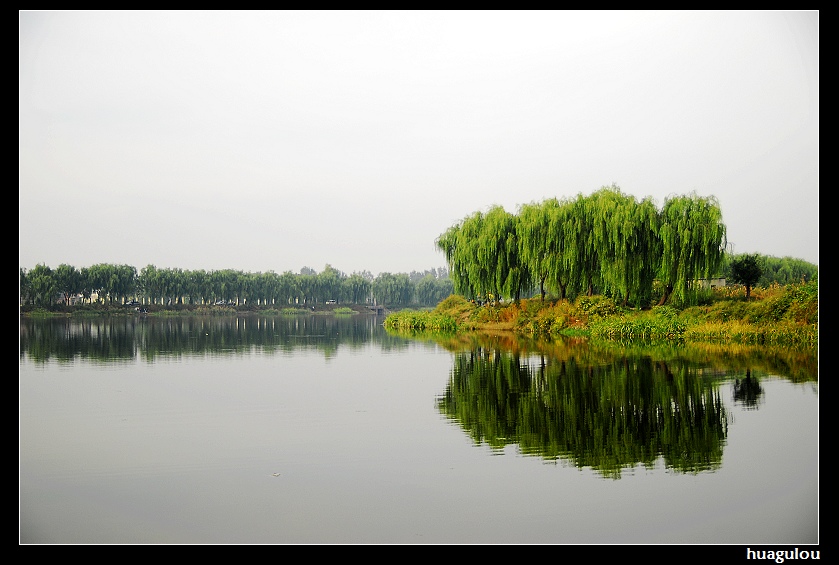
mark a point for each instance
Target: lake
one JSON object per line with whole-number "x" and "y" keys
{"x": 329, "y": 429}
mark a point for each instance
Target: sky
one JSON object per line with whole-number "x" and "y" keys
{"x": 277, "y": 140}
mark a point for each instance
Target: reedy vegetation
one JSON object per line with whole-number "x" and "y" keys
{"x": 779, "y": 315}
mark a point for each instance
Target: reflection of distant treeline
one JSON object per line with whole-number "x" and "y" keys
{"x": 126, "y": 338}
{"x": 608, "y": 417}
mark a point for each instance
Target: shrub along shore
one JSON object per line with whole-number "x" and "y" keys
{"x": 779, "y": 315}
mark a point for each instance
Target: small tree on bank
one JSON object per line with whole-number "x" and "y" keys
{"x": 746, "y": 270}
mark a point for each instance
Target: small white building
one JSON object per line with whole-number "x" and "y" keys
{"x": 711, "y": 283}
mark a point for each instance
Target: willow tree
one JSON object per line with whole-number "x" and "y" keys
{"x": 605, "y": 212}
{"x": 468, "y": 251}
{"x": 198, "y": 286}
{"x": 253, "y": 288}
{"x": 534, "y": 235}
{"x": 38, "y": 286}
{"x": 586, "y": 233}
{"x": 163, "y": 285}
{"x": 149, "y": 283}
{"x": 68, "y": 281}
{"x": 306, "y": 288}
{"x": 448, "y": 243}
{"x": 356, "y": 288}
{"x": 509, "y": 274}
{"x": 329, "y": 283}
{"x": 693, "y": 238}
{"x": 544, "y": 245}
{"x": 392, "y": 289}
{"x": 562, "y": 249}
{"x": 173, "y": 284}
{"x": 478, "y": 250}
{"x": 644, "y": 250}
{"x": 287, "y": 289}
{"x": 484, "y": 256}
{"x": 114, "y": 282}
{"x": 627, "y": 237}
{"x": 227, "y": 284}
{"x": 430, "y": 290}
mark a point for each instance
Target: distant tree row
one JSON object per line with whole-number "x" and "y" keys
{"x": 116, "y": 284}
{"x": 776, "y": 270}
{"x": 755, "y": 270}
{"x": 606, "y": 243}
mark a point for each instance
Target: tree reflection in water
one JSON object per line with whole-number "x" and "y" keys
{"x": 747, "y": 391}
{"x": 606, "y": 417}
{"x": 605, "y": 405}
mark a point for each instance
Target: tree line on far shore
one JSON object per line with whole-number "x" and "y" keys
{"x": 109, "y": 284}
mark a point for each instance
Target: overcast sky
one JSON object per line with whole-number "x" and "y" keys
{"x": 270, "y": 141}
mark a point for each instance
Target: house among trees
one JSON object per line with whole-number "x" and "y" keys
{"x": 711, "y": 283}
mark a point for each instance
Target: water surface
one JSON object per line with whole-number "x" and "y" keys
{"x": 330, "y": 430}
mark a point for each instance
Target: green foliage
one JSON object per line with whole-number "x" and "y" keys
{"x": 797, "y": 303}
{"x": 546, "y": 245}
{"x": 431, "y": 290}
{"x": 660, "y": 323}
{"x": 553, "y": 318}
{"x": 38, "y": 287}
{"x": 781, "y": 271}
{"x": 393, "y": 289}
{"x": 746, "y": 270}
{"x": 789, "y": 316}
{"x": 772, "y": 333}
{"x": 692, "y": 237}
{"x": 293, "y": 311}
{"x": 420, "y": 320}
{"x": 484, "y": 256}
{"x": 174, "y": 288}
{"x": 606, "y": 243}
{"x": 357, "y": 288}
{"x": 786, "y": 270}
{"x": 455, "y": 306}
{"x": 597, "y": 306}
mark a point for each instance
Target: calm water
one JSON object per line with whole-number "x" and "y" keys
{"x": 330, "y": 430}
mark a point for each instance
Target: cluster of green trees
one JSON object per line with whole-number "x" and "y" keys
{"x": 605, "y": 243}
{"x": 770, "y": 270}
{"x": 115, "y": 284}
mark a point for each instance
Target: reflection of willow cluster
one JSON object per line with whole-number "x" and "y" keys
{"x": 605, "y": 243}
{"x": 606, "y": 418}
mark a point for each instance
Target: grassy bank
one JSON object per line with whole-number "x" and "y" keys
{"x": 779, "y": 315}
